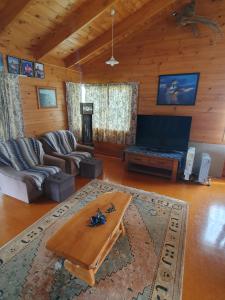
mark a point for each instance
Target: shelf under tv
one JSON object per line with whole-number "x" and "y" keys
{"x": 149, "y": 170}
{"x": 154, "y": 163}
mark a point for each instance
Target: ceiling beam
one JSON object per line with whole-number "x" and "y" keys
{"x": 74, "y": 22}
{"x": 124, "y": 29}
{"x": 11, "y": 11}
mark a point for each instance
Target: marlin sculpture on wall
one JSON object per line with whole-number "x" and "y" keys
{"x": 187, "y": 17}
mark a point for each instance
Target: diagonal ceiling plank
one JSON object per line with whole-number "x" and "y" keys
{"x": 80, "y": 18}
{"x": 11, "y": 11}
{"x": 123, "y": 30}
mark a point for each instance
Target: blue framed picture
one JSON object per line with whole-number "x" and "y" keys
{"x": 178, "y": 89}
{"x": 1, "y": 63}
{"x": 27, "y": 68}
{"x": 39, "y": 71}
{"x": 13, "y": 64}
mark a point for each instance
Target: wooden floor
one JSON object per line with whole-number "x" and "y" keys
{"x": 204, "y": 272}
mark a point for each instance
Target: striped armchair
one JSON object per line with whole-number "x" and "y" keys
{"x": 24, "y": 167}
{"x": 62, "y": 144}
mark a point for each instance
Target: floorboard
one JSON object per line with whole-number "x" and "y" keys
{"x": 204, "y": 273}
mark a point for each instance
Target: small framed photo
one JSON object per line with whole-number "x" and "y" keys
{"x": 27, "y": 68}
{"x": 47, "y": 97}
{"x": 13, "y": 64}
{"x": 1, "y": 63}
{"x": 39, "y": 71}
{"x": 86, "y": 108}
{"x": 178, "y": 89}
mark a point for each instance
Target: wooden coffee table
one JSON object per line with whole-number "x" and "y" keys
{"x": 84, "y": 247}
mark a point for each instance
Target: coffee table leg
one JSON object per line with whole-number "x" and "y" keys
{"x": 87, "y": 275}
{"x": 122, "y": 228}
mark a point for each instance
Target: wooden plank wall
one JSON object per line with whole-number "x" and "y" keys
{"x": 168, "y": 49}
{"x": 37, "y": 121}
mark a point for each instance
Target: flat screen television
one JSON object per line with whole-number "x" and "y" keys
{"x": 163, "y": 133}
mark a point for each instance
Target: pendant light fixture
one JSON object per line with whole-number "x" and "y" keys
{"x": 112, "y": 61}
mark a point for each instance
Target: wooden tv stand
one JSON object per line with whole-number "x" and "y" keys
{"x": 152, "y": 164}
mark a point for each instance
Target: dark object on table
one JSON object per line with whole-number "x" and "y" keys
{"x": 60, "y": 186}
{"x": 111, "y": 209}
{"x": 91, "y": 168}
{"x": 98, "y": 219}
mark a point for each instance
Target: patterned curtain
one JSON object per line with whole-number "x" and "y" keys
{"x": 122, "y": 113}
{"x": 115, "y": 110}
{"x": 11, "y": 116}
{"x": 131, "y": 136}
{"x": 98, "y": 95}
{"x": 73, "y": 98}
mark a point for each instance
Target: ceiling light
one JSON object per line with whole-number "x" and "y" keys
{"x": 112, "y": 61}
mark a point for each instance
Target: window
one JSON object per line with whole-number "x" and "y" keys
{"x": 115, "y": 110}
{"x": 112, "y": 110}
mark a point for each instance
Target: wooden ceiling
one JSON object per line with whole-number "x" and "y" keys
{"x": 72, "y": 32}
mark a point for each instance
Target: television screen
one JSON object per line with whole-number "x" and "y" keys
{"x": 169, "y": 133}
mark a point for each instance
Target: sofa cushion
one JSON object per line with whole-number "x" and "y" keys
{"x": 21, "y": 154}
{"x": 78, "y": 156}
{"x": 40, "y": 173}
{"x": 61, "y": 141}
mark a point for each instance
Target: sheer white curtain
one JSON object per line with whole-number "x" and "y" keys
{"x": 115, "y": 110}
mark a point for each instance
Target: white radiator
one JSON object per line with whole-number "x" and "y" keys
{"x": 203, "y": 176}
{"x": 189, "y": 163}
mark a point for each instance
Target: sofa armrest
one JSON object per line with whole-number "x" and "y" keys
{"x": 14, "y": 174}
{"x": 54, "y": 161}
{"x": 85, "y": 148}
{"x": 18, "y": 185}
{"x": 69, "y": 163}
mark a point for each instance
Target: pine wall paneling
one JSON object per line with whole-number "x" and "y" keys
{"x": 167, "y": 49}
{"x": 38, "y": 121}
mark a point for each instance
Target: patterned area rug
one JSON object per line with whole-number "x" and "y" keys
{"x": 145, "y": 264}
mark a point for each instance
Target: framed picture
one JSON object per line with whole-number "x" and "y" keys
{"x": 27, "y": 68}
{"x": 1, "y": 63}
{"x": 86, "y": 108}
{"x": 39, "y": 71}
{"x": 47, "y": 97}
{"x": 13, "y": 64}
{"x": 178, "y": 89}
